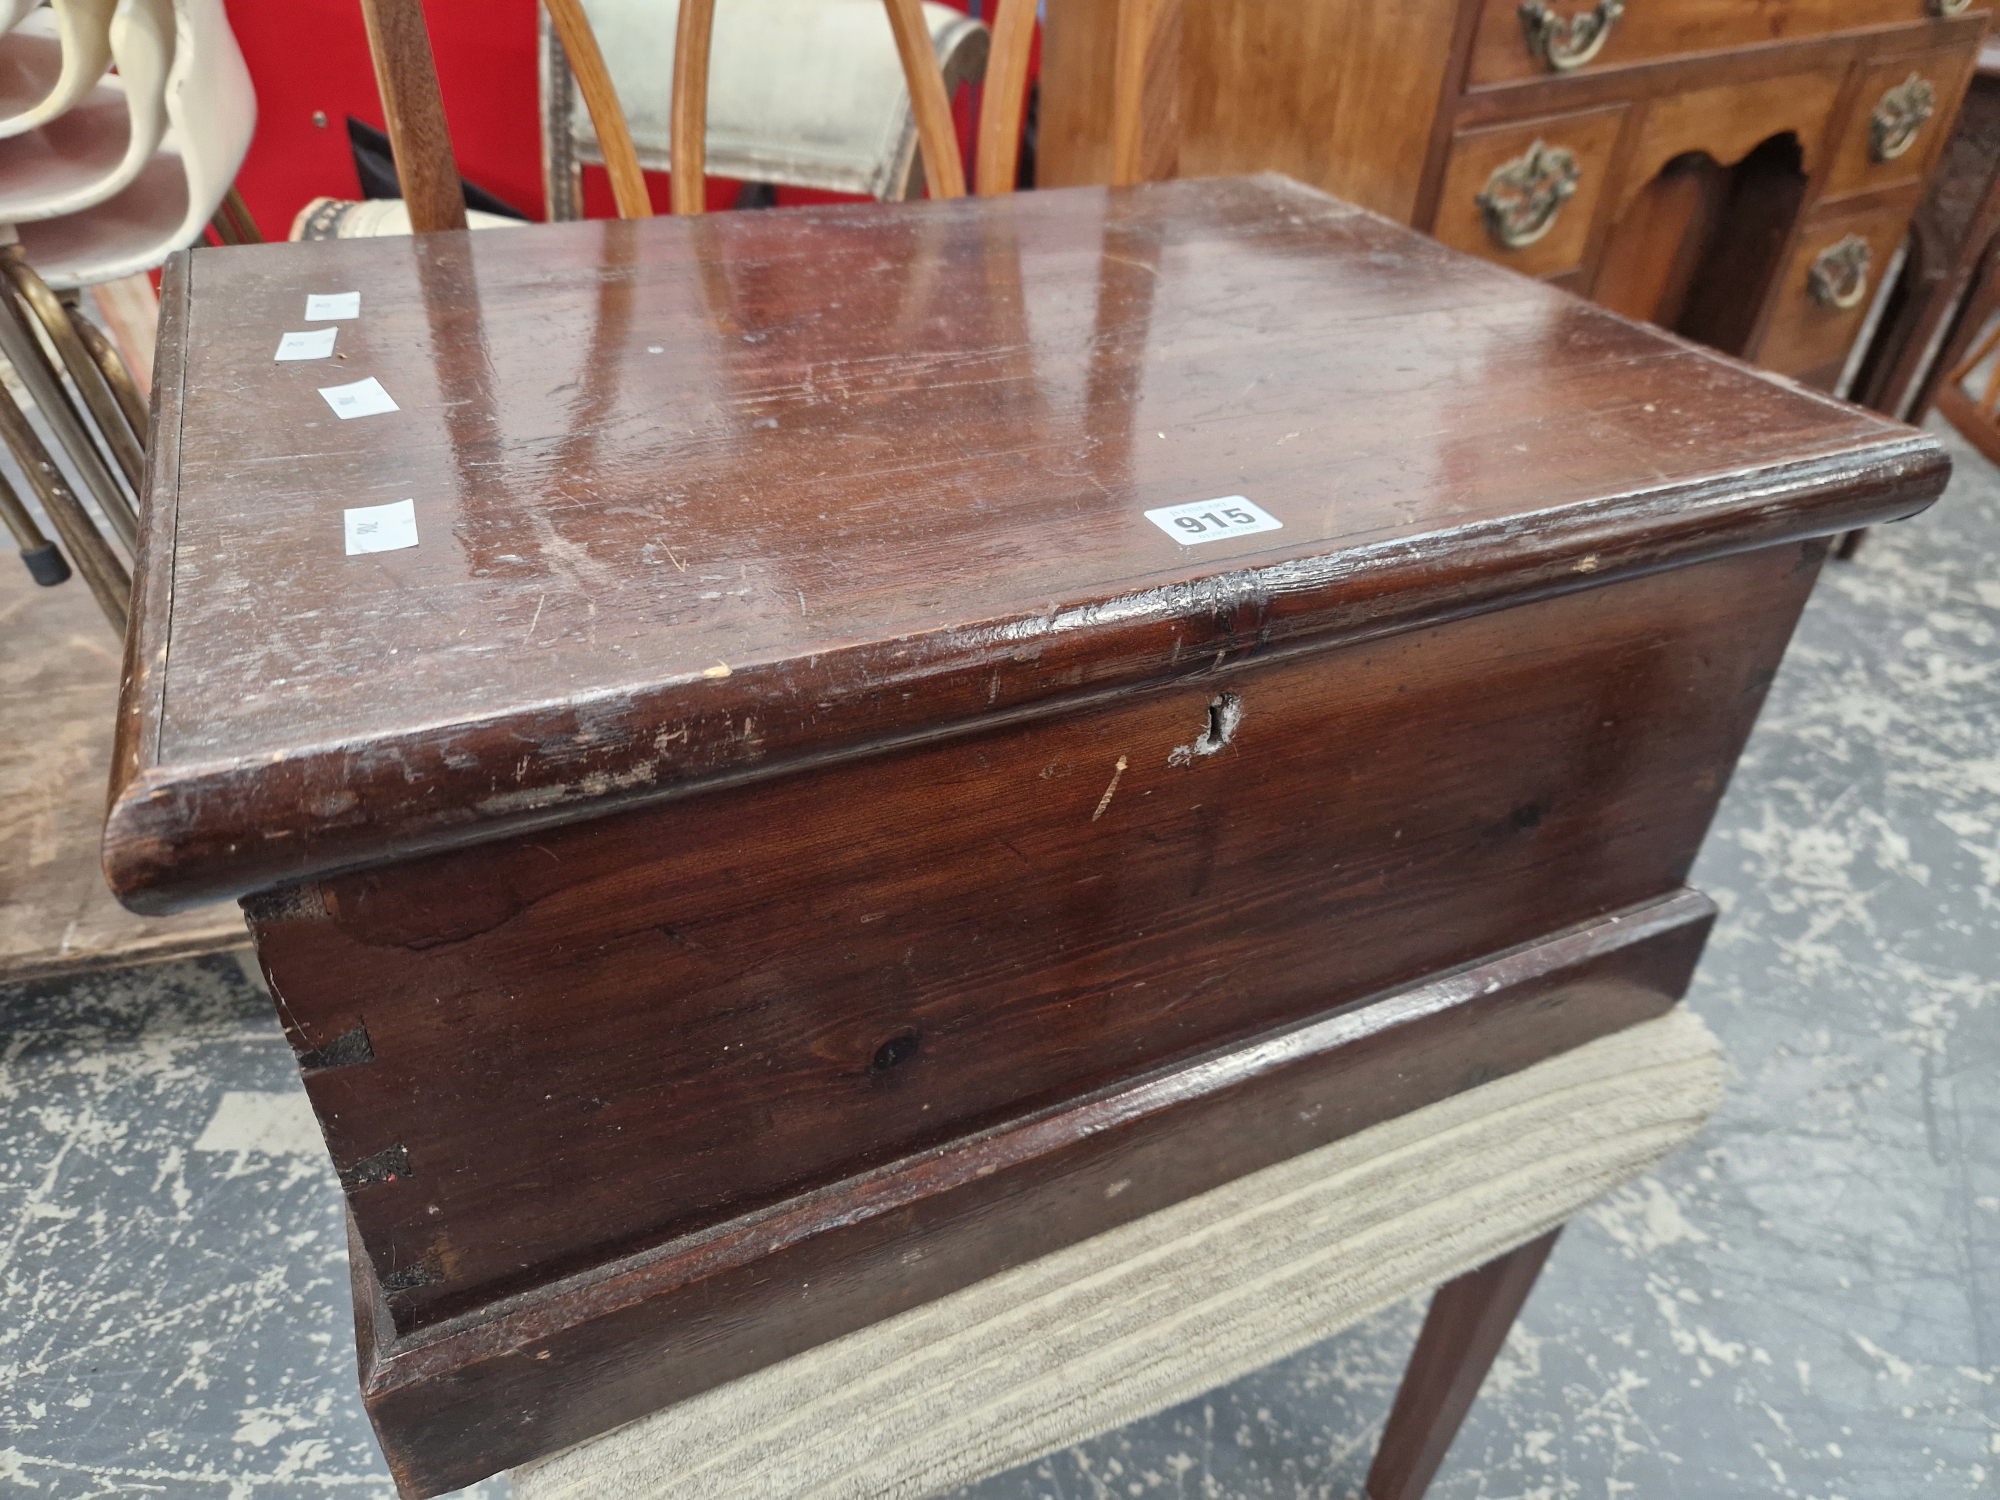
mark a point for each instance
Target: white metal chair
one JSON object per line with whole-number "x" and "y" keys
{"x": 211, "y": 111}
{"x": 90, "y": 195}
{"x": 13, "y": 12}
{"x": 48, "y": 64}
{"x": 98, "y": 147}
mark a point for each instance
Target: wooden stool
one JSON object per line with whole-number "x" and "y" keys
{"x": 1159, "y": 1310}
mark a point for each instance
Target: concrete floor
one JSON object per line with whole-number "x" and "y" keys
{"x": 1806, "y": 1305}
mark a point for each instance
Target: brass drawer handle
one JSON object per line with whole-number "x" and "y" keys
{"x": 1523, "y": 197}
{"x": 1899, "y": 115}
{"x": 1949, "y": 7}
{"x": 1566, "y": 43}
{"x": 1839, "y": 275}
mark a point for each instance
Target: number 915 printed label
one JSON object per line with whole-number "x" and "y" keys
{"x": 1212, "y": 520}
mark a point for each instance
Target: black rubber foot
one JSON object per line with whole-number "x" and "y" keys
{"x": 46, "y": 566}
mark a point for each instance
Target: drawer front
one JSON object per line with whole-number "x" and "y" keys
{"x": 1517, "y": 41}
{"x": 1827, "y": 286}
{"x": 1902, "y": 113}
{"x": 534, "y": 1055}
{"x": 1526, "y": 195}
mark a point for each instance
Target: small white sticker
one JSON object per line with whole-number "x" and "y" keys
{"x": 381, "y": 528}
{"x": 314, "y": 343}
{"x": 364, "y": 398}
{"x": 325, "y": 307}
{"x": 1212, "y": 520}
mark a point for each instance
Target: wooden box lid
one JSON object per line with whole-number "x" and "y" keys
{"x": 713, "y": 498}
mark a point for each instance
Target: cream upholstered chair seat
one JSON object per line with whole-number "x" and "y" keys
{"x": 366, "y": 218}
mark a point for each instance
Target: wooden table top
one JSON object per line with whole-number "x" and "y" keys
{"x": 698, "y": 498}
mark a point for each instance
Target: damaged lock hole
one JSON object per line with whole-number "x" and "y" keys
{"x": 1225, "y": 712}
{"x": 899, "y": 1049}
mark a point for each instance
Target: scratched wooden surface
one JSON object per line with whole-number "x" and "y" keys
{"x": 787, "y": 1033}
{"x": 1011, "y": 841}
{"x": 1802, "y": 1305}
{"x": 864, "y": 963}
{"x": 530, "y": 1374}
{"x": 697, "y": 498}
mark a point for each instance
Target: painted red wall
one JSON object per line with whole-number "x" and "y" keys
{"x": 307, "y": 55}
{"x": 312, "y": 55}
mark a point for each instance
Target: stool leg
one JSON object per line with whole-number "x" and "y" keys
{"x": 1463, "y": 1331}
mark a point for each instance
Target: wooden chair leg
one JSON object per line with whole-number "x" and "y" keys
{"x": 1462, "y": 1333}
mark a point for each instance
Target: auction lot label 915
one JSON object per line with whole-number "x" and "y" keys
{"x": 1201, "y": 521}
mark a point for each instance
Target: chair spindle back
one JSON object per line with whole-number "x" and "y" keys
{"x": 406, "y": 74}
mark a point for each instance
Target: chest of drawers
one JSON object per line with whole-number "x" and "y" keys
{"x": 1743, "y": 171}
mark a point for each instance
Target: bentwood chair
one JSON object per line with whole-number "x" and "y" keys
{"x": 421, "y": 139}
{"x": 802, "y": 93}
{"x": 809, "y": 93}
